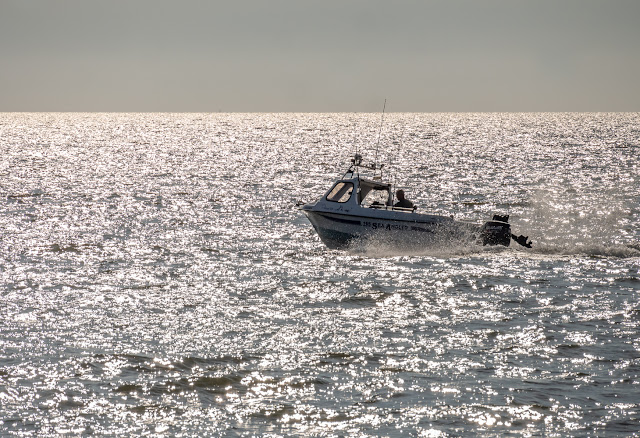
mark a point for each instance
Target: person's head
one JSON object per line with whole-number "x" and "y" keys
{"x": 400, "y": 194}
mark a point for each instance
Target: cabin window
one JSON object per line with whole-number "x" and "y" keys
{"x": 377, "y": 197}
{"x": 341, "y": 192}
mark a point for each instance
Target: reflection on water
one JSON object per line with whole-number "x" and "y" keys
{"x": 156, "y": 278}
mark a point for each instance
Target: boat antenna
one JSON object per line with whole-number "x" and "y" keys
{"x": 380, "y": 133}
{"x": 355, "y": 142}
{"x": 395, "y": 170}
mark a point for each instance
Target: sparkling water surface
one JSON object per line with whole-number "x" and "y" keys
{"x": 156, "y": 278}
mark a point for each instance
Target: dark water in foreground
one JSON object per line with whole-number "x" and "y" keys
{"x": 156, "y": 279}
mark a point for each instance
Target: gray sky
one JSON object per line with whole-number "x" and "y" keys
{"x": 327, "y": 55}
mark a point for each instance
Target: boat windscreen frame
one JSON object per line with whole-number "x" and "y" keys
{"x": 344, "y": 188}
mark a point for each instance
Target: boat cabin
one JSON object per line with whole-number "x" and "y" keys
{"x": 368, "y": 194}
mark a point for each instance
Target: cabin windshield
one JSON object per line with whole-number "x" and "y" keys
{"x": 374, "y": 194}
{"x": 376, "y": 198}
{"x": 341, "y": 192}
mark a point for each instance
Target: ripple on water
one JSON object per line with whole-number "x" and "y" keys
{"x": 156, "y": 278}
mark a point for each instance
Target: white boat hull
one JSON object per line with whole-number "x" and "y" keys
{"x": 338, "y": 231}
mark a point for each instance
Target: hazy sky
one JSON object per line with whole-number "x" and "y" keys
{"x": 328, "y": 55}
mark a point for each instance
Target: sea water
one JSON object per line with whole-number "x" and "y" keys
{"x": 157, "y": 279}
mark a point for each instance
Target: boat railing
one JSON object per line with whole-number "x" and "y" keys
{"x": 409, "y": 210}
{"x": 379, "y": 206}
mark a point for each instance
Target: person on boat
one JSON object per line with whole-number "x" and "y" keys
{"x": 402, "y": 201}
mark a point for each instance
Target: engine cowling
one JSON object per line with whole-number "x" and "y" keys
{"x": 496, "y": 231}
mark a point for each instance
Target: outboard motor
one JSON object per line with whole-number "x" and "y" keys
{"x": 496, "y": 231}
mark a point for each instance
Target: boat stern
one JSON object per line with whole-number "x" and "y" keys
{"x": 496, "y": 231}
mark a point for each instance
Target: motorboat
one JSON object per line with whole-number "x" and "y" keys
{"x": 357, "y": 209}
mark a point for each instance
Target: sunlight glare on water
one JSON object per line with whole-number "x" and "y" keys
{"x": 158, "y": 279}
